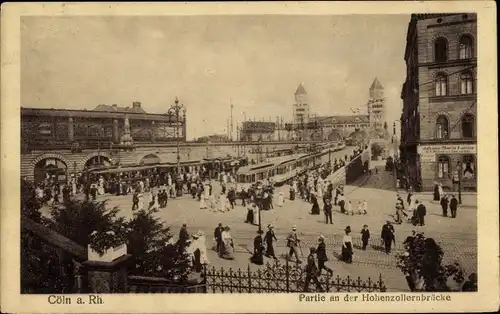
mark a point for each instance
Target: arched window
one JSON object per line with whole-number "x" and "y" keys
{"x": 467, "y": 126}
{"x": 443, "y": 166}
{"x": 465, "y": 47}
{"x": 441, "y": 50}
{"x": 466, "y": 83}
{"x": 442, "y": 128}
{"x": 468, "y": 167}
{"x": 441, "y": 84}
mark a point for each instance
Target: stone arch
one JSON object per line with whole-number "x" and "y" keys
{"x": 95, "y": 154}
{"x": 34, "y": 162}
{"x": 150, "y": 158}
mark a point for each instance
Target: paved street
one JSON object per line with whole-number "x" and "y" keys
{"x": 456, "y": 236}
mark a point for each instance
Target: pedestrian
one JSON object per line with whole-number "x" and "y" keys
{"x": 218, "y": 238}
{"x": 347, "y": 250}
{"x": 270, "y": 237}
{"x": 453, "y": 206}
{"x": 328, "y": 211}
{"x": 322, "y": 256}
{"x": 293, "y": 243}
{"x": 258, "y": 249}
{"x": 315, "y": 205}
{"x": 312, "y": 272}
{"x": 183, "y": 237}
{"x": 436, "y": 192}
{"x": 365, "y": 236}
{"x": 399, "y": 214}
{"x": 444, "y": 205}
{"x": 281, "y": 199}
{"x": 421, "y": 212}
{"x": 341, "y": 201}
{"x": 227, "y": 244}
{"x": 387, "y": 236}
{"x": 292, "y": 193}
{"x": 231, "y": 196}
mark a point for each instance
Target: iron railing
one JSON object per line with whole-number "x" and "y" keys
{"x": 283, "y": 278}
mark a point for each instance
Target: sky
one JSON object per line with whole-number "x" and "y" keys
{"x": 254, "y": 62}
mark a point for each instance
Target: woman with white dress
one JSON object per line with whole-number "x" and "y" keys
{"x": 441, "y": 191}
{"x": 227, "y": 241}
{"x": 222, "y": 202}
{"x": 203, "y": 202}
{"x": 255, "y": 210}
{"x": 153, "y": 205}
{"x": 202, "y": 246}
{"x": 140, "y": 203}
{"x": 281, "y": 199}
{"x": 100, "y": 186}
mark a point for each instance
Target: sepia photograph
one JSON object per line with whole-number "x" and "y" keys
{"x": 249, "y": 154}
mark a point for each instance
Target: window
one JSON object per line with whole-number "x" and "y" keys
{"x": 442, "y": 128}
{"x": 466, "y": 83}
{"x": 465, "y": 47}
{"x": 468, "y": 167}
{"x": 467, "y": 126}
{"x": 440, "y": 50}
{"x": 441, "y": 85}
{"x": 443, "y": 164}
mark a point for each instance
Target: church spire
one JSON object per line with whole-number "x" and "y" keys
{"x": 376, "y": 84}
{"x": 300, "y": 90}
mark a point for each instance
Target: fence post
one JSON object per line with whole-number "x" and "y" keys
{"x": 287, "y": 276}
{"x": 249, "y": 279}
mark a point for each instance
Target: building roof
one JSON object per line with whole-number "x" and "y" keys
{"x": 136, "y": 108}
{"x": 342, "y": 119}
{"x": 431, "y": 15}
{"x": 300, "y": 90}
{"x": 376, "y": 84}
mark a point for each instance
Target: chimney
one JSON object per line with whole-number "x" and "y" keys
{"x": 136, "y": 104}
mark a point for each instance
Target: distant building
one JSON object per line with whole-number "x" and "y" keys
{"x": 339, "y": 127}
{"x": 215, "y": 138}
{"x": 257, "y": 131}
{"x": 376, "y": 105}
{"x": 438, "y": 122}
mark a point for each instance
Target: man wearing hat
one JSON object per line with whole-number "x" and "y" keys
{"x": 218, "y": 237}
{"x": 322, "y": 256}
{"x": 293, "y": 243}
{"x": 270, "y": 237}
{"x": 183, "y": 237}
{"x": 312, "y": 271}
{"x": 387, "y": 236}
{"x": 327, "y": 208}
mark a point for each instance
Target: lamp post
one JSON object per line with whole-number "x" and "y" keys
{"x": 176, "y": 110}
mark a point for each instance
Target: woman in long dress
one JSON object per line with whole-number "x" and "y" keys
{"x": 281, "y": 199}
{"x": 315, "y": 206}
{"x": 202, "y": 246}
{"x": 100, "y": 187}
{"x": 222, "y": 202}
{"x": 347, "y": 246}
{"x": 203, "y": 203}
{"x": 140, "y": 203}
{"x": 258, "y": 249}
{"x": 441, "y": 191}
{"x": 255, "y": 210}
{"x": 227, "y": 241}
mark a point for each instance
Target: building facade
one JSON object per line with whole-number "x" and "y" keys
{"x": 252, "y": 131}
{"x": 376, "y": 105}
{"x": 301, "y": 107}
{"x": 438, "y": 122}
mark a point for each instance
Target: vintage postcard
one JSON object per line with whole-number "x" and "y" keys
{"x": 249, "y": 157}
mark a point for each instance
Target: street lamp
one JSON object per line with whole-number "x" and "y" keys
{"x": 176, "y": 110}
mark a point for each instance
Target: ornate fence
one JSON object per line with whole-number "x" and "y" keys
{"x": 283, "y": 278}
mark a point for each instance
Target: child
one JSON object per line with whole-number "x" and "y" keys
{"x": 365, "y": 235}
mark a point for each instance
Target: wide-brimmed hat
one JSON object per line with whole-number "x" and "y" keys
{"x": 348, "y": 229}
{"x": 321, "y": 237}
{"x": 270, "y": 226}
{"x": 294, "y": 227}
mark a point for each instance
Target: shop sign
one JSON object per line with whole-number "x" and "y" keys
{"x": 433, "y": 150}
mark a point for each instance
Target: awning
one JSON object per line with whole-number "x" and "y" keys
{"x": 124, "y": 169}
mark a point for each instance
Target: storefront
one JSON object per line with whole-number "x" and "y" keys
{"x": 448, "y": 164}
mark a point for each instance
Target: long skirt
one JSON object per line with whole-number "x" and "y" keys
{"x": 203, "y": 203}
{"x": 249, "y": 216}
{"x": 257, "y": 258}
{"x": 228, "y": 250}
{"x": 315, "y": 209}
{"x": 269, "y": 249}
{"x": 347, "y": 253}
{"x": 292, "y": 195}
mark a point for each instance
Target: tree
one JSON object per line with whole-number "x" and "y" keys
{"x": 421, "y": 263}
{"x": 89, "y": 223}
{"x": 150, "y": 242}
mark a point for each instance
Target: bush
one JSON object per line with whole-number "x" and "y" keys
{"x": 89, "y": 223}
{"x": 422, "y": 266}
{"x": 150, "y": 242}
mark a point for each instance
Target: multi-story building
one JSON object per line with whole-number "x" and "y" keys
{"x": 438, "y": 122}
{"x": 252, "y": 131}
{"x": 301, "y": 109}
{"x": 376, "y": 105}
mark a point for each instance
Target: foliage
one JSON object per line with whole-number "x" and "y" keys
{"x": 150, "y": 242}
{"x": 422, "y": 265}
{"x": 30, "y": 206}
{"x": 377, "y": 149}
{"x": 89, "y": 223}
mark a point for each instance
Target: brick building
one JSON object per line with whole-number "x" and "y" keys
{"x": 438, "y": 122}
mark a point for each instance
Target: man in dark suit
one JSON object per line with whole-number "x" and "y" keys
{"x": 322, "y": 256}
{"x": 421, "y": 212}
{"x": 328, "y": 211}
{"x": 444, "y": 205}
{"x": 387, "y": 236}
{"x": 218, "y": 237}
{"x": 312, "y": 272}
{"x": 453, "y": 206}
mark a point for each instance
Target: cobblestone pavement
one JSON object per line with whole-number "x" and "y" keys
{"x": 457, "y": 237}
